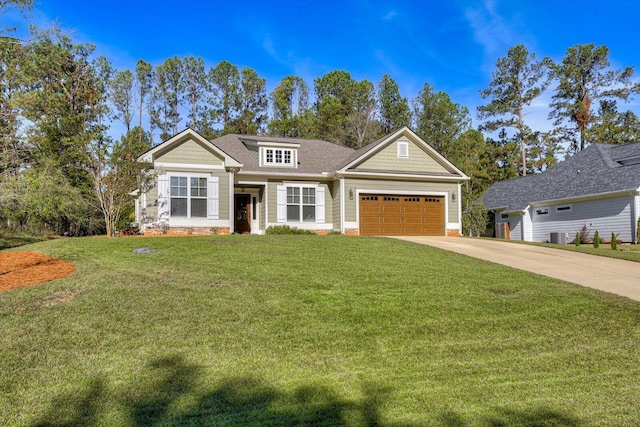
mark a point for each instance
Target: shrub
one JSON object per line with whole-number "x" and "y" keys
{"x": 475, "y": 220}
{"x": 285, "y": 229}
{"x": 614, "y": 241}
{"x": 596, "y": 240}
{"x": 577, "y": 241}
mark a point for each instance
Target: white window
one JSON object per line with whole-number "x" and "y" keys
{"x": 563, "y": 208}
{"x": 188, "y": 197}
{"x": 182, "y": 195}
{"x": 278, "y": 156}
{"x": 300, "y": 203}
{"x": 403, "y": 149}
{"x": 301, "y": 209}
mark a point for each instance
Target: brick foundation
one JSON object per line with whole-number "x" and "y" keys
{"x": 453, "y": 233}
{"x": 186, "y": 231}
{"x": 351, "y": 232}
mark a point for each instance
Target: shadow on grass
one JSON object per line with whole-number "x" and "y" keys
{"x": 172, "y": 398}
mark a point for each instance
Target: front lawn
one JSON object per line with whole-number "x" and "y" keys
{"x": 310, "y": 330}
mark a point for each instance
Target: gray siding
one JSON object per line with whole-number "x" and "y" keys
{"x": 387, "y": 159}
{"x": 408, "y": 187}
{"x": 189, "y": 152}
{"x": 272, "y": 189}
{"x": 604, "y": 215}
{"x": 223, "y": 193}
{"x": 335, "y": 199}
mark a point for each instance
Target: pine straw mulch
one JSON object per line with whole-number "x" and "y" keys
{"x": 20, "y": 269}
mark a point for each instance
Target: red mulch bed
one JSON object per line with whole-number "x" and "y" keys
{"x": 20, "y": 269}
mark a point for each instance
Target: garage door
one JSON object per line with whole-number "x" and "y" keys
{"x": 393, "y": 215}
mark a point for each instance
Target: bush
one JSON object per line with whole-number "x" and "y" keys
{"x": 614, "y": 241}
{"x": 285, "y": 229}
{"x": 577, "y": 240}
{"x": 475, "y": 220}
{"x": 596, "y": 240}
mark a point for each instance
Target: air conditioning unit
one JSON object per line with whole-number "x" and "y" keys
{"x": 559, "y": 238}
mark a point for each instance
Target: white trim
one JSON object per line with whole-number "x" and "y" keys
{"x": 343, "y": 202}
{"x": 445, "y": 194}
{"x": 460, "y": 208}
{"x": 163, "y": 197}
{"x": 293, "y": 156}
{"x": 231, "y": 204}
{"x": 414, "y": 138}
{"x": 284, "y": 175}
{"x": 184, "y": 135}
{"x": 403, "y": 149}
{"x": 404, "y": 192}
{"x": 241, "y": 183}
{"x": 188, "y": 166}
{"x": 425, "y": 177}
{"x": 278, "y": 144}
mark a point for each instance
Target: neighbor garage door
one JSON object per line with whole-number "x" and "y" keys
{"x": 393, "y": 215}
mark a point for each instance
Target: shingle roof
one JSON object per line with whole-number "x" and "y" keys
{"x": 593, "y": 171}
{"x": 314, "y": 155}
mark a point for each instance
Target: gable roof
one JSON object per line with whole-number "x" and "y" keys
{"x": 315, "y": 156}
{"x": 598, "y": 170}
{"x": 183, "y": 136}
{"x": 374, "y": 147}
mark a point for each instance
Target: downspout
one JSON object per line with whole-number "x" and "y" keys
{"x": 342, "y": 202}
{"x": 460, "y": 208}
{"x": 635, "y": 217}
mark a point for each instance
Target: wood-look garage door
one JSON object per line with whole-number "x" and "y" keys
{"x": 392, "y": 215}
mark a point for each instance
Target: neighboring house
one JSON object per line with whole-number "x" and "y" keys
{"x": 597, "y": 188}
{"x": 397, "y": 185}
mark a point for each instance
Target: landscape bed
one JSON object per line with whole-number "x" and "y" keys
{"x": 310, "y": 330}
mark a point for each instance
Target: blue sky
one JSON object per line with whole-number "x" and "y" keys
{"x": 452, "y": 45}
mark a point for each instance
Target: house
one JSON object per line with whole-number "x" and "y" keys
{"x": 596, "y": 188}
{"x": 397, "y": 185}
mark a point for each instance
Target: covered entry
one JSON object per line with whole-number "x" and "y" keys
{"x": 394, "y": 215}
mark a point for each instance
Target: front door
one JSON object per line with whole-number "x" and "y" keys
{"x": 243, "y": 213}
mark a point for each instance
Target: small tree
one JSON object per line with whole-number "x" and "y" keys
{"x": 577, "y": 241}
{"x": 474, "y": 220}
{"x": 614, "y": 241}
{"x": 596, "y": 240}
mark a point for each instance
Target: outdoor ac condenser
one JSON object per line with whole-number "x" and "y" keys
{"x": 559, "y": 238}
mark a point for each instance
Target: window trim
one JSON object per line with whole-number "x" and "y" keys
{"x": 211, "y": 199}
{"x": 283, "y": 203}
{"x": 278, "y": 156}
{"x": 403, "y": 150}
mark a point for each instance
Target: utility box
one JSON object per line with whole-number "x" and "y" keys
{"x": 559, "y": 238}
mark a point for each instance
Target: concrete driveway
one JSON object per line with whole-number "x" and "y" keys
{"x": 606, "y": 274}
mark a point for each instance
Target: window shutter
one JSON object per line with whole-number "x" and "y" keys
{"x": 213, "y": 198}
{"x": 163, "y": 197}
{"x": 282, "y": 203}
{"x": 320, "y": 205}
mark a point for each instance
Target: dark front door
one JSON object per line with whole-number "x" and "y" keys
{"x": 243, "y": 213}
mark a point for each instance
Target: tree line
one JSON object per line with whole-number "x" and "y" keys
{"x": 63, "y": 172}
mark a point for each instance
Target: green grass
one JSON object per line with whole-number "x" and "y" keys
{"x": 12, "y": 239}
{"x": 626, "y": 252}
{"x": 310, "y": 330}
